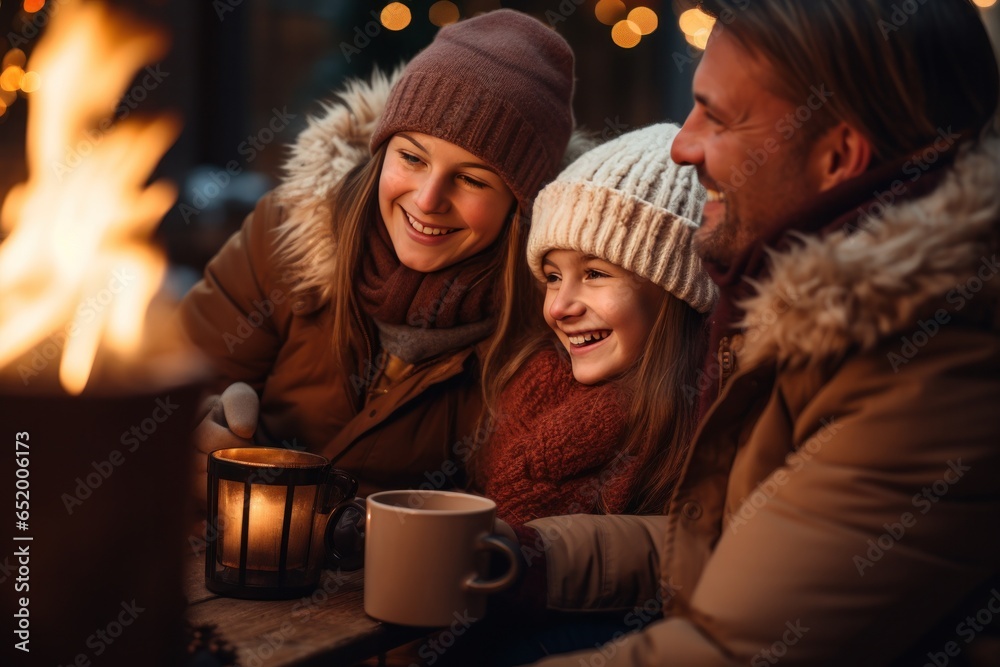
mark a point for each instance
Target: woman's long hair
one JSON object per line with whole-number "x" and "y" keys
{"x": 355, "y": 205}
{"x": 660, "y": 390}
{"x": 354, "y": 210}
{"x": 519, "y": 319}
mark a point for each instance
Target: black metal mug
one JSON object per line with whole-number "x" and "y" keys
{"x": 275, "y": 512}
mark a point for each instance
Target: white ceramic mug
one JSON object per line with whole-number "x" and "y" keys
{"x": 425, "y": 556}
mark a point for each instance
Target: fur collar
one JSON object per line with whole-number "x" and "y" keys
{"x": 828, "y": 295}
{"x": 334, "y": 142}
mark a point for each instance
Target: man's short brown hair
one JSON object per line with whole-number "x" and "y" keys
{"x": 900, "y": 71}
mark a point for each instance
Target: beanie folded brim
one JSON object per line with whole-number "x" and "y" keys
{"x": 621, "y": 229}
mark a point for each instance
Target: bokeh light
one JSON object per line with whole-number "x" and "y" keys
{"x": 696, "y": 26}
{"x": 13, "y": 57}
{"x": 694, "y": 20}
{"x": 626, "y": 34}
{"x": 30, "y": 82}
{"x": 645, "y": 18}
{"x": 984, "y": 3}
{"x": 609, "y": 12}
{"x": 443, "y": 13}
{"x": 32, "y": 6}
{"x": 395, "y": 16}
{"x": 11, "y": 78}
{"x": 699, "y": 39}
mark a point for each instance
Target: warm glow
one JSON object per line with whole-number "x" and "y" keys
{"x": 395, "y": 16}
{"x": 11, "y": 78}
{"x": 626, "y": 34}
{"x": 32, "y": 6}
{"x": 84, "y": 214}
{"x": 693, "y": 21}
{"x": 30, "y": 82}
{"x": 267, "y": 517}
{"x": 645, "y": 18}
{"x": 3, "y": 107}
{"x": 609, "y": 12}
{"x": 443, "y": 13}
{"x": 984, "y": 3}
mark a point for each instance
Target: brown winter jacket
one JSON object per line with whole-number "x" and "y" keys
{"x": 839, "y": 512}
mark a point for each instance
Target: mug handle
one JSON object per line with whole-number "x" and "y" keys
{"x": 504, "y": 581}
{"x": 344, "y": 539}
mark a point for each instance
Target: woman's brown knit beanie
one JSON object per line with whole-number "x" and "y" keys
{"x": 499, "y": 85}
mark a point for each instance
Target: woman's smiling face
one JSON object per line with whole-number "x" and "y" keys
{"x": 440, "y": 203}
{"x": 601, "y": 313}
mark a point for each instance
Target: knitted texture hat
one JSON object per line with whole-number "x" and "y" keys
{"x": 628, "y": 203}
{"x": 498, "y": 85}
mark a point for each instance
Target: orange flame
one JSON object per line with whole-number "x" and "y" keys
{"x": 73, "y": 229}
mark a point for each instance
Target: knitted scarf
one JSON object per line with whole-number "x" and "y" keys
{"x": 424, "y": 314}
{"x": 840, "y": 208}
{"x": 556, "y": 447}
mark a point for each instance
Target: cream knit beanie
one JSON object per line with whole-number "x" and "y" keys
{"x": 628, "y": 203}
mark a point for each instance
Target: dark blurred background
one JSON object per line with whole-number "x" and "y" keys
{"x": 236, "y": 66}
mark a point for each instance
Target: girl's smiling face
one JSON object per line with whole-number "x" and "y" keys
{"x": 601, "y": 313}
{"x": 440, "y": 203}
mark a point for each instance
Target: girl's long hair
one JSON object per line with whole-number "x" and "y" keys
{"x": 663, "y": 408}
{"x": 354, "y": 209}
{"x": 660, "y": 390}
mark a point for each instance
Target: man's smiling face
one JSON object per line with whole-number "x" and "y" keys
{"x": 738, "y": 138}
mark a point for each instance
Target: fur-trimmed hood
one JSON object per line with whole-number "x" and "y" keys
{"x": 334, "y": 142}
{"x": 828, "y": 295}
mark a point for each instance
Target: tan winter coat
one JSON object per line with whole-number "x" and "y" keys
{"x": 844, "y": 511}
{"x": 262, "y": 315}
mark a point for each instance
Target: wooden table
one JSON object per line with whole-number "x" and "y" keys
{"x": 328, "y": 628}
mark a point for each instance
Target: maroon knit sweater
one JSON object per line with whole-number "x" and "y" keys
{"x": 557, "y": 445}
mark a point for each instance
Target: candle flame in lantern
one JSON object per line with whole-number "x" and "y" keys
{"x": 71, "y": 229}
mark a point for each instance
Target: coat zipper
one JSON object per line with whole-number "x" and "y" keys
{"x": 368, "y": 348}
{"x": 725, "y": 362}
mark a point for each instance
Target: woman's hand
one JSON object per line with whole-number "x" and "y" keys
{"x": 229, "y": 420}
